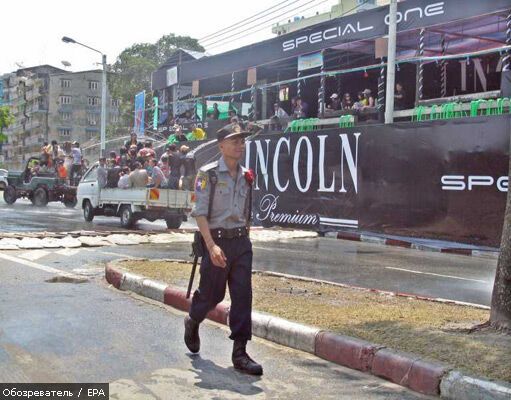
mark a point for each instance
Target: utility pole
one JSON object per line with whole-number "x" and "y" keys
{"x": 103, "y": 107}
{"x": 67, "y": 39}
{"x": 391, "y": 63}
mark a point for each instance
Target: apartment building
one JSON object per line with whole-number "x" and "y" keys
{"x": 75, "y": 109}
{"x": 26, "y": 92}
{"x": 53, "y": 104}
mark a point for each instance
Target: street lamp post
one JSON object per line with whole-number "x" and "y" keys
{"x": 66, "y": 39}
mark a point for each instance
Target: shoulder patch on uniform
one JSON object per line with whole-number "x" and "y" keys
{"x": 209, "y": 166}
{"x": 201, "y": 181}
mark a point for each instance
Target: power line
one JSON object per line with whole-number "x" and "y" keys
{"x": 244, "y": 20}
{"x": 268, "y": 20}
{"x": 272, "y": 20}
{"x": 267, "y": 26}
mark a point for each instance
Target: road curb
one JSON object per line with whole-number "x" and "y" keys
{"x": 291, "y": 334}
{"x": 361, "y": 237}
{"x": 404, "y": 369}
{"x": 344, "y": 350}
{"x": 408, "y": 370}
{"x": 455, "y": 385}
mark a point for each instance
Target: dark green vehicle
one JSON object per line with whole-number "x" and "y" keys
{"x": 39, "y": 189}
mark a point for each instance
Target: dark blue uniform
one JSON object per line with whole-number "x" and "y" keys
{"x": 227, "y": 221}
{"x": 229, "y": 216}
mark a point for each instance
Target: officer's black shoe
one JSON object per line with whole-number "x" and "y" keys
{"x": 192, "y": 338}
{"x": 242, "y": 361}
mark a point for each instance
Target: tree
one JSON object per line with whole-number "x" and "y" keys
{"x": 6, "y": 119}
{"x": 500, "y": 314}
{"x": 133, "y": 67}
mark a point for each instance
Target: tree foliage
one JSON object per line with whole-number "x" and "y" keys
{"x": 6, "y": 119}
{"x": 133, "y": 67}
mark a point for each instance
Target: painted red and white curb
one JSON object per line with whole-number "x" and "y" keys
{"x": 405, "y": 369}
{"x": 360, "y": 237}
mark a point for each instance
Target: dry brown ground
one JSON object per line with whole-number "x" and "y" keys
{"x": 430, "y": 329}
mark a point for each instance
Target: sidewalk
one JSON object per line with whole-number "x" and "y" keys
{"x": 413, "y": 371}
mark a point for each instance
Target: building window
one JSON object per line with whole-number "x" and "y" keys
{"x": 115, "y": 102}
{"x": 93, "y": 101}
{"x": 65, "y": 116}
{"x": 93, "y": 85}
{"x": 65, "y": 99}
{"x": 91, "y": 135}
{"x": 64, "y": 132}
{"x": 65, "y": 83}
{"x": 114, "y": 118}
{"x": 92, "y": 119}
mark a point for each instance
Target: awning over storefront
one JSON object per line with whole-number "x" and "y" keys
{"x": 412, "y": 15}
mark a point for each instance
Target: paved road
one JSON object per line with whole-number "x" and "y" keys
{"x": 455, "y": 277}
{"x": 87, "y": 332}
{"x": 23, "y": 216}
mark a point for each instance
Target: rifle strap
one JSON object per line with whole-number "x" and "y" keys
{"x": 213, "y": 179}
{"x": 249, "y": 216}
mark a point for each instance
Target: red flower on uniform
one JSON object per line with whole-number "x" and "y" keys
{"x": 249, "y": 176}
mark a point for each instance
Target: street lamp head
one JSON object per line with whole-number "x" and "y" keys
{"x": 66, "y": 39}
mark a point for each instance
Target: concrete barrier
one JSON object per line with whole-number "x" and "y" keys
{"x": 291, "y": 334}
{"x": 153, "y": 290}
{"x": 113, "y": 276}
{"x": 260, "y": 324}
{"x": 344, "y": 350}
{"x": 132, "y": 282}
{"x": 456, "y": 386}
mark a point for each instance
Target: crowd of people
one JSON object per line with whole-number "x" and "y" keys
{"x": 364, "y": 101}
{"x": 137, "y": 165}
{"x": 65, "y": 162}
{"x": 196, "y": 133}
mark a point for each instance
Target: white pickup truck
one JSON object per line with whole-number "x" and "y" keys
{"x": 132, "y": 204}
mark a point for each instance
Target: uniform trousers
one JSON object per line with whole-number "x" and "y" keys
{"x": 213, "y": 281}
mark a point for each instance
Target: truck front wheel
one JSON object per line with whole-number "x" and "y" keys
{"x": 174, "y": 222}
{"x": 127, "y": 217}
{"x": 88, "y": 211}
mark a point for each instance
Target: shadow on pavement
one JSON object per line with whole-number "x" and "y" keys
{"x": 215, "y": 377}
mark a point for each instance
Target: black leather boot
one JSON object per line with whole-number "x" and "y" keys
{"x": 242, "y": 361}
{"x": 192, "y": 338}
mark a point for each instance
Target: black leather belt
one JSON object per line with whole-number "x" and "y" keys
{"x": 221, "y": 233}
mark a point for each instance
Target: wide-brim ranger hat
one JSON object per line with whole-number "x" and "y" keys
{"x": 231, "y": 131}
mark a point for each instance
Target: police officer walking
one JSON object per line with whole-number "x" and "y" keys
{"x": 223, "y": 200}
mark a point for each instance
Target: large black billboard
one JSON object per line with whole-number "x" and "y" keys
{"x": 441, "y": 179}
